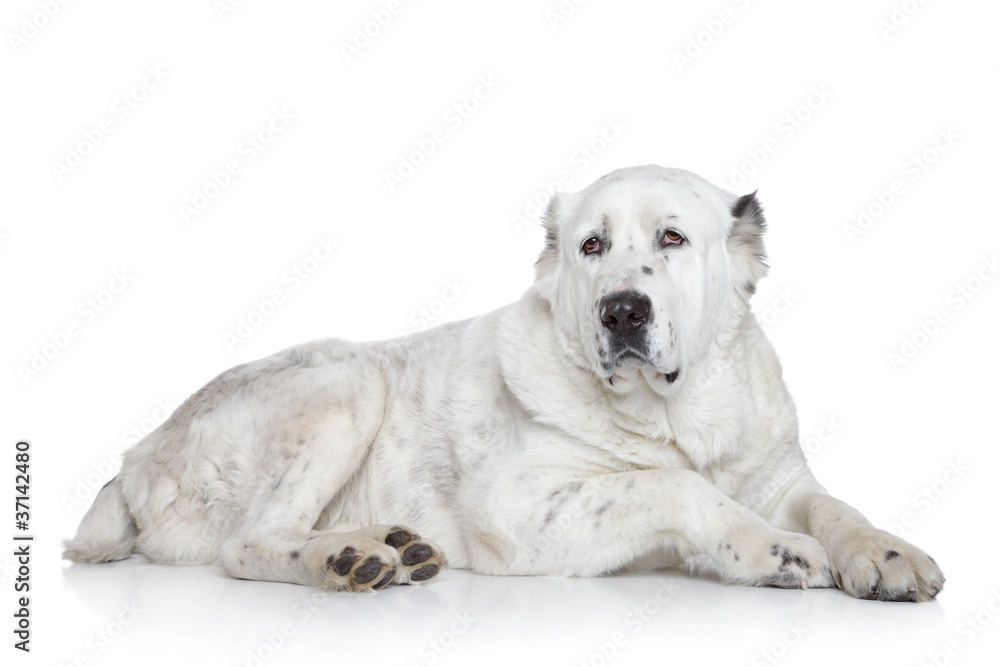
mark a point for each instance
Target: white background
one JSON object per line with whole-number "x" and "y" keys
{"x": 863, "y": 101}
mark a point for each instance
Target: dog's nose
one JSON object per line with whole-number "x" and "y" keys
{"x": 623, "y": 312}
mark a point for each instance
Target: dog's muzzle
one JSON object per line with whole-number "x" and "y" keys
{"x": 625, "y": 316}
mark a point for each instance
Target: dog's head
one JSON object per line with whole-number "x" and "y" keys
{"x": 644, "y": 270}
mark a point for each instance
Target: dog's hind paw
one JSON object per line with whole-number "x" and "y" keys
{"x": 420, "y": 559}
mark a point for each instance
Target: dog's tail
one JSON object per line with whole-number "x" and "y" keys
{"x": 107, "y": 532}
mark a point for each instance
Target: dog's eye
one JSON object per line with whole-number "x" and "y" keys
{"x": 670, "y": 237}
{"x": 591, "y": 245}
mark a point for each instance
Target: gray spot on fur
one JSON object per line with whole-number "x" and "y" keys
{"x": 550, "y": 223}
{"x": 604, "y": 508}
{"x": 551, "y": 231}
{"x": 559, "y": 498}
{"x": 787, "y": 557}
{"x": 277, "y": 483}
{"x": 781, "y": 580}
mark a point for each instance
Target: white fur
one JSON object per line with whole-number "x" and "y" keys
{"x": 510, "y": 440}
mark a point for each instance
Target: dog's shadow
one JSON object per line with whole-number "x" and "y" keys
{"x": 198, "y": 600}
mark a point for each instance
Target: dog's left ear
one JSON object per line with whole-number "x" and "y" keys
{"x": 546, "y": 268}
{"x": 746, "y": 243}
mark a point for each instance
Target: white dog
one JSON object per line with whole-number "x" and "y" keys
{"x": 626, "y": 411}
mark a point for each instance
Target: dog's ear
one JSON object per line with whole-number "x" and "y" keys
{"x": 746, "y": 243}
{"x": 548, "y": 260}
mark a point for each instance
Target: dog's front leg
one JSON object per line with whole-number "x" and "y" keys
{"x": 600, "y": 524}
{"x": 867, "y": 562}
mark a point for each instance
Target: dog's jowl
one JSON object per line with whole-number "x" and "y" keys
{"x": 627, "y": 411}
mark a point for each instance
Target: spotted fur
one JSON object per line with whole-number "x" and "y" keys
{"x": 513, "y": 439}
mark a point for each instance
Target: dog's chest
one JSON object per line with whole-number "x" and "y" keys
{"x": 650, "y": 447}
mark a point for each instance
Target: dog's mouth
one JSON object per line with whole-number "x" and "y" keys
{"x": 629, "y": 357}
{"x": 666, "y": 378}
{"x": 625, "y": 356}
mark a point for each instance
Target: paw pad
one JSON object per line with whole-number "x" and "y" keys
{"x": 343, "y": 563}
{"x": 399, "y": 538}
{"x": 368, "y": 570}
{"x": 424, "y": 573}
{"x": 418, "y": 553}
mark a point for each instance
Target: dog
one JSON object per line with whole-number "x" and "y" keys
{"x": 627, "y": 411}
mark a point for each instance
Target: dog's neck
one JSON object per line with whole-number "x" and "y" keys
{"x": 556, "y": 385}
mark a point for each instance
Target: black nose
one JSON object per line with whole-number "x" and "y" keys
{"x": 624, "y": 312}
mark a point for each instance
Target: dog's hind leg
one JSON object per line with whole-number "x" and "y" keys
{"x": 274, "y": 538}
{"x": 366, "y": 559}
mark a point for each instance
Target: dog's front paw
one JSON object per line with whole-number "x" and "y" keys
{"x": 776, "y": 558}
{"x": 876, "y": 565}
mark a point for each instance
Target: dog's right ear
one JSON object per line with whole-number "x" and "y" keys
{"x": 746, "y": 243}
{"x": 548, "y": 261}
